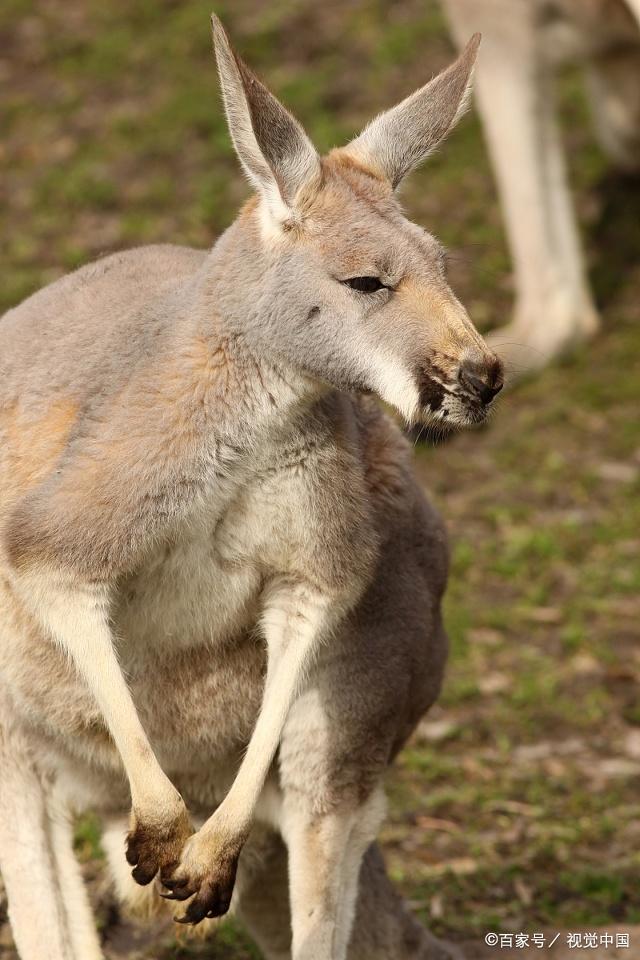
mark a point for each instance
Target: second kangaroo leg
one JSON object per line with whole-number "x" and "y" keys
{"x": 613, "y": 84}
{"x": 384, "y": 928}
{"x": 554, "y": 308}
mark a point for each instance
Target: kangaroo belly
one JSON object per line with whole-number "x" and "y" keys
{"x": 198, "y": 709}
{"x": 188, "y": 644}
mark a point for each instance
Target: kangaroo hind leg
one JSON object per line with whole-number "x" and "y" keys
{"x": 47, "y": 901}
{"x": 325, "y": 856}
{"x": 79, "y": 915}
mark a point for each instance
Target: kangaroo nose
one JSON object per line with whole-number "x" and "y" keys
{"x": 483, "y": 379}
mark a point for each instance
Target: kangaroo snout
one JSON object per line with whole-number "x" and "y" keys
{"x": 459, "y": 393}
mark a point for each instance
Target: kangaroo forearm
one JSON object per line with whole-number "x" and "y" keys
{"x": 236, "y": 811}
{"x": 75, "y": 615}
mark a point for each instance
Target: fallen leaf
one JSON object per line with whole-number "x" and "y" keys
{"x": 494, "y": 683}
{"x": 631, "y": 744}
{"x": 436, "y": 730}
{"x": 617, "y": 471}
{"x": 437, "y": 823}
{"x": 544, "y": 614}
{"x": 523, "y": 892}
{"x": 436, "y": 906}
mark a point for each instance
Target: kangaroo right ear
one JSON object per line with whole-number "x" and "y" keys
{"x": 275, "y": 152}
{"x": 402, "y": 138}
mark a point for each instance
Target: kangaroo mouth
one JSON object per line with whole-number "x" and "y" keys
{"x": 432, "y": 393}
{"x": 447, "y": 402}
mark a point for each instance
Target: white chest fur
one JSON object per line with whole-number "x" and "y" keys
{"x": 189, "y": 593}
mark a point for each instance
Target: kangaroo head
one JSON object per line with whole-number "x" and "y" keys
{"x": 350, "y": 291}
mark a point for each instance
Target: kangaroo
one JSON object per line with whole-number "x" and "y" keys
{"x": 220, "y": 584}
{"x": 523, "y": 41}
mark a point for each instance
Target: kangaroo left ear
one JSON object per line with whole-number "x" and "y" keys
{"x": 402, "y": 138}
{"x": 275, "y": 152}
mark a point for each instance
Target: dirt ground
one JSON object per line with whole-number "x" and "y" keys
{"x": 516, "y": 806}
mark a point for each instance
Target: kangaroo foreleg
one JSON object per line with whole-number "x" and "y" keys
{"x": 76, "y": 617}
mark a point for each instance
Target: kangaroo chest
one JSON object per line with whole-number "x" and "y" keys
{"x": 302, "y": 515}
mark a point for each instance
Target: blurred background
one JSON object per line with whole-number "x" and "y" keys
{"x": 517, "y": 805}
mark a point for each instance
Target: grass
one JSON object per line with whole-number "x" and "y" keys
{"x": 516, "y": 804}
{"x": 534, "y": 790}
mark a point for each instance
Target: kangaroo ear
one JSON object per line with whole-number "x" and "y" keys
{"x": 402, "y": 138}
{"x": 275, "y": 152}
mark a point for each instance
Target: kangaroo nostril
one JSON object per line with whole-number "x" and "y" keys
{"x": 489, "y": 393}
{"x": 485, "y": 389}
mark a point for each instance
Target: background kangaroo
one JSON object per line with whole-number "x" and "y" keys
{"x": 523, "y": 41}
{"x": 196, "y": 495}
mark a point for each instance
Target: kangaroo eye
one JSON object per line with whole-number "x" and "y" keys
{"x": 365, "y": 284}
